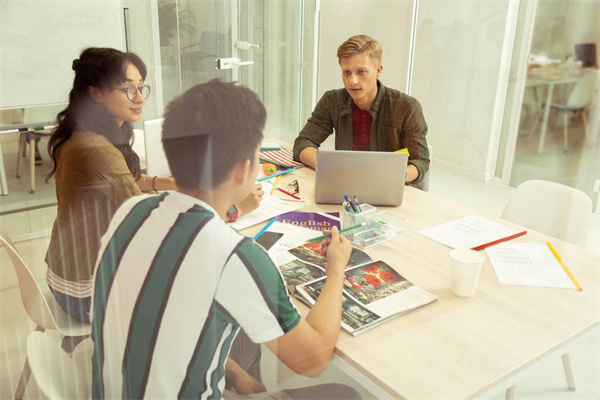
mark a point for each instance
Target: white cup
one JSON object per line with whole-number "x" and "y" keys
{"x": 466, "y": 266}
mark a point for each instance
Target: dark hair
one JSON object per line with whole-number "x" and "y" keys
{"x": 97, "y": 67}
{"x": 209, "y": 129}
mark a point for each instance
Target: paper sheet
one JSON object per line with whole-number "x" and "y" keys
{"x": 269, "y": 207}
{"x": 467, "y": 232}
{"x": 528, "y": 264}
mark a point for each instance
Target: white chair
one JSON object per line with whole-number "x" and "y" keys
{"x": 43, "y": 310}
{"x": 551, "y": 208}
{"x": 579, "y": 99}
{"x": 58, "y": 376}
{"x": 556, "y": 210}
{"x": 426, "y": 177}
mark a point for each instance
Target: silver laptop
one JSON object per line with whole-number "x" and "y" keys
{"x": 156, "y": 160}
{"x": 374, "y": 177}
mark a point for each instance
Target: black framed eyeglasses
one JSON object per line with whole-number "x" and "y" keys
{"x": 132, "y": 91}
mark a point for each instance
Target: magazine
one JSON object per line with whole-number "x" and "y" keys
{"x": 373, "y": 290}
{"x": 312, "y": 220}
{"x": 282, "y": 157}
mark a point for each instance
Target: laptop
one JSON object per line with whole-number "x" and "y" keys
{"x": 156, "y": 159}
{"x": 376, "y": 178}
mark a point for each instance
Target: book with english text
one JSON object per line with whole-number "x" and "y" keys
{"x": 312, "y": 220}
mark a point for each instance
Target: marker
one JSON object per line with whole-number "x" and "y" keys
{"x": 351, "y": 205}
{"x": 264, "y": 229}
{"x": 357, "y": 204}
{"x": 567, "y": 270}
{"x": 288, "y": 193}
{"x": 340, "y": 231}
{"x": 264, "y": 178}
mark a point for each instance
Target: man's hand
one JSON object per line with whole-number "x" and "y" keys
{"x": 240, "y": 380}
{"x": 251, "y": 202}
{"x": 337, "y": 249}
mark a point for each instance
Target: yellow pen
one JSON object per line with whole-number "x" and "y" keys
{"x": 275, "y": 183}
{"x": 567, "y": 270}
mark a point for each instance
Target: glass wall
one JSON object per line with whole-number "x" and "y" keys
{"x": 558, "y": 143}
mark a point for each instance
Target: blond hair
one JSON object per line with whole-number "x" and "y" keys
{"x": 359, "y": 44}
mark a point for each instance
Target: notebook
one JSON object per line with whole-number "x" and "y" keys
{"x": 156, "y": 160}
{"x": 374, "y": 177}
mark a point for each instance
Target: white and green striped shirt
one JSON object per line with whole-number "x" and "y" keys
{"x": 173, "y": 286}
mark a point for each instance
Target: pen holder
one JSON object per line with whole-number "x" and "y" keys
{"x": 354, "y": 218}
{"x": 379, "y": 227}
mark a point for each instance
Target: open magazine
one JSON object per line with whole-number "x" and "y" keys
{"x": 373, "y": 290}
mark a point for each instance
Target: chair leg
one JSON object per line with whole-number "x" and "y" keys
{"x": 25, "y": 374}
{"x": 32, "y": 165}
{"x": 535, "y": 123}
{"x": 510, "y": 393}
{"x": 566, "y": 130}
{"x": 566, "y": 360}
{"x": 585, "y": 125}
{"x": 21, "y": 150}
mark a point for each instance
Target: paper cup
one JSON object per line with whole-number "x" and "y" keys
{"x": 466, "y": 266}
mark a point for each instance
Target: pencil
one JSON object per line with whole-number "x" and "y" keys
{"x": 285, "y": 171}
{"x": 288, "y": 193}
{"x": 263, "y": 230}
{"x": 329, "y": 234}
{"x": 504, "y": 239}
{"x": 567, "y": 270}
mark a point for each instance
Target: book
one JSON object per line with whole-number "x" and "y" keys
{"x": 470, "y": 232}
{"x": 312, "y": 220}
{"x": 528, "y": 264}
{"x": 282, "y": 157}
{"x": 373, "y": 292}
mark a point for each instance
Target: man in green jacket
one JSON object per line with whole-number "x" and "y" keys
{"x": 366, "y": 115}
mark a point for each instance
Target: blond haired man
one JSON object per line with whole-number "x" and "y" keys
{"x": 366, "y": 115}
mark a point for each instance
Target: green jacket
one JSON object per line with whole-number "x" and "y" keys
{"x": 398, "y": 122}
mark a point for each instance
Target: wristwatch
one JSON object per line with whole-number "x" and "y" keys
{"x": 232, "y": 213}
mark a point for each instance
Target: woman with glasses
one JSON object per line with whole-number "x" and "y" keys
{"x": 95, "y": 168}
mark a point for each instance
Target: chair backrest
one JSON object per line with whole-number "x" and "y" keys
{"x": 31, "y": 294}
{"x": 426, "y": 177}
{"x": 56, "y": 374}
{"x": 583, "y": 92}
{"x": 139, "y": 146}
{"x": 551, "y": 208}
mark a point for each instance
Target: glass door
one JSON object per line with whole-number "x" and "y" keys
{"x": 266, "y": 46}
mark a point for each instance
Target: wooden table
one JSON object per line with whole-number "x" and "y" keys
{"x": 455, "y": 347}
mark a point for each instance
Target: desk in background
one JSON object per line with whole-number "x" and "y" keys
{"x": 460, "y": 348}
{"x": 550, "y": 78}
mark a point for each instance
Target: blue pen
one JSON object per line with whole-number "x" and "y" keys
{"x": 285, "y": 171}
{"x": 357, "y": 204}
{"x": 264, "y": 229}
{"x": 348, "y": 200}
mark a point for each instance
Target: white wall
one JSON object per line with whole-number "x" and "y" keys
{"x": 389, "y": 22}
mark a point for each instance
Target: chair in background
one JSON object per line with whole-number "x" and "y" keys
{"x": 426, "y": 177}
{"x": 42, "y": 310}
{"x": 58, "y": 376}
{"x": 31, "y": 138}
{"x": 577, "y": 103}
{"x": 556, "y": 210}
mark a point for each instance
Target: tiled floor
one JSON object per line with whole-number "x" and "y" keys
{"x": 545, "y": 382}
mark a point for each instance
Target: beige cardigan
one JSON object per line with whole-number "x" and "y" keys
{"x": 92, "y": 179}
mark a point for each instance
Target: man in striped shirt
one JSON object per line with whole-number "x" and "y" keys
{"x": 174, "y": 284}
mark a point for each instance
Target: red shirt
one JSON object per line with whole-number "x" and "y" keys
{"x": 361, "y": 127}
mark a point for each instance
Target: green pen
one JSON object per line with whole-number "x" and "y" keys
{"x": 341, "y": 230}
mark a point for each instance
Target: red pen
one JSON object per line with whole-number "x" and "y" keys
{"x": 504, "y": 239}
{"x": 288, "y": 193}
